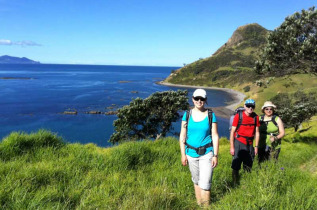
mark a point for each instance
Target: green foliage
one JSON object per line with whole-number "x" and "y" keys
{"x": 307, "y": 132}
{"x": 295, "y": 108}
{"x": 291, "y": 48}
{"x": 246, "y": 88}
{"x": 149, "y": 175}
{"x": 259, "y": 83}
{"x": 132, "y": 175}
{"x": 131, "y": 156}
{"x": 222, "y": 68}
{"x": 18, "y": 143}
{"x": 149, "y": 118}
{"x": 275, "y": 186}
{"x": 254, "y": 35}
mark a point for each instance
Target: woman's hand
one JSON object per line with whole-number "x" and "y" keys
{"x": 184, "y": 160}
{"x": 272, "y": 138}
{"x": 214, "y": 162}
{"x": 232, "y": 151}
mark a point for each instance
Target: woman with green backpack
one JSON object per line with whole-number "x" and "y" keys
{"x": 271, "y": 133}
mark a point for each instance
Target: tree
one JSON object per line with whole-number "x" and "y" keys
{"x": 296, "y": 108}
{"x": 149, "y": 118}
{"x": 292, "y": 47}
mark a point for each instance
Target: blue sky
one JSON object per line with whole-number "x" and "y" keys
{"x": 130, "y": 32}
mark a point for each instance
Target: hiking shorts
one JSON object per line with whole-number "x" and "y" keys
{"x": 242, "y": 154}
{"x": 201, "y": 170}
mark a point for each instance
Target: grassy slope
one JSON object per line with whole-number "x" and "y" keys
{"x": 236, "y": 57}
{"x": 218, "y": 70}
{"x": 286, "y": 84}
{"x": 38, "y": 171}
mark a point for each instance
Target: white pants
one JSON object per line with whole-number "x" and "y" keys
{"x": 201, "y": 170}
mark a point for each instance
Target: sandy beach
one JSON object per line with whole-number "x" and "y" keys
{"x": 225, "y": 111}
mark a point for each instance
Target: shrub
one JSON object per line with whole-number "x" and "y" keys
{"x": 131, "y": 156}
{"x": 259, "y": 83}
{"x": 19, "y": 143}
{"x": 291, "y": 48}
{"x": 295, "y": 108}
{"x": 246, "y": 88}
{"x": 149, "y": 118}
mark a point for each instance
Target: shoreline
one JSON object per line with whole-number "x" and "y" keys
{"x": 221, "y": 111}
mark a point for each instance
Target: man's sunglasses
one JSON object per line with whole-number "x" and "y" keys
{"x": 199, "y": 98}
{"x": 250, "y": 106}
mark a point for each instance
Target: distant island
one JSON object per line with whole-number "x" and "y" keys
{"x": 6, "y": 59}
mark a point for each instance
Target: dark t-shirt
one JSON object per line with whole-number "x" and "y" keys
{"x": 247, "y": 127}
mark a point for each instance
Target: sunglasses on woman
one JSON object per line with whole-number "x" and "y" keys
{"x": 250, "y": 106}
{"x": 268, "y": 109}
{"x": 199, "y": 98}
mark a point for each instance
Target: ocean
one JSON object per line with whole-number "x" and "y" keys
{"x": 33, "y": 97}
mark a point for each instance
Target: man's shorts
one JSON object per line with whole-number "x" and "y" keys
{"x": 242, "y": 154}
{"x": 201, "y": 170}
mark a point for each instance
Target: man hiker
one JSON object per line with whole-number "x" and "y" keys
{"x": 245, "y": 128}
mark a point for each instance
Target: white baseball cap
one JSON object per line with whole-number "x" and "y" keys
{"x": 200, "y": 92}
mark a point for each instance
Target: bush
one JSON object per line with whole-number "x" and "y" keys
{"x": 259, "y": 83}
{"x": 246, "y": 88}
{"x": 19, "y": 143}
{"x": 149, "y": 118}
{"x": 294, "y": 109}
{"x": 131, "y": 156}
{"x": 291, "y": 48}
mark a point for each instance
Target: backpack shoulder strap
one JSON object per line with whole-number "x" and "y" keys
{"x": 274, "y": 120}
{"x": 255, "y": 116}
{"x": 188, "y": 114}
{"x": 240, "y": 119}
{"x": 210, "y": 118}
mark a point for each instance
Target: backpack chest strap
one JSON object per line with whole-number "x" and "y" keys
{"x": 248, "y": 138}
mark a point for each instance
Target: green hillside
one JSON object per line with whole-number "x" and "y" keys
{"x": 39, "y": 171}
{"x": 236, "y": 57}
{"x": 267, "y": 87}
{"x": 233, "y": 66}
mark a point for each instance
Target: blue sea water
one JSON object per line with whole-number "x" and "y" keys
{"x": 34, "y": 96}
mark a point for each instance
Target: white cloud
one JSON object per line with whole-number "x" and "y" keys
{"x": 5, "y": 42}
{"x": 27, "y": 43}
{"x": 20, "y": 43}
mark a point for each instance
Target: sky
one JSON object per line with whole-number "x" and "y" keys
{"x": 131, "y": 32}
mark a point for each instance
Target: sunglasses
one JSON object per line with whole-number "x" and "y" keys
{"x": 250, "y": 106}
{"x": 199, "y": 98}
{"x": 268, "y": 109}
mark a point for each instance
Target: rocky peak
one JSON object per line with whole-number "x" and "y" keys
{"x": 250, "y": 32}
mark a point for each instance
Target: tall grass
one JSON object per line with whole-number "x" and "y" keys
{"x": 39, "y": 171}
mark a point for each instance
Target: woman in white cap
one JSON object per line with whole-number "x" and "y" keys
{"x": 199, "y": 143}
{"x": 271, "y": 133}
